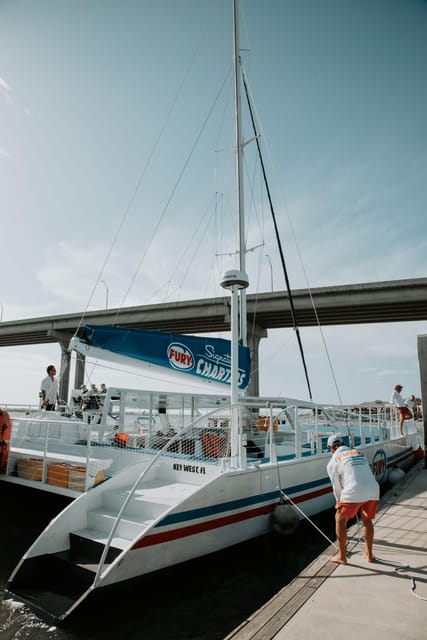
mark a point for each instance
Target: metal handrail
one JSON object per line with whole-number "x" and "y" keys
{"x": 135, "y": 485}
{"x": 44, "y": 454}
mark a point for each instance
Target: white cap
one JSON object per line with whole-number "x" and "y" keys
{"x": 335, "y": 439}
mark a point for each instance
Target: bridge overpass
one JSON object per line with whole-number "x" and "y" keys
{"x": 372, "y": 302}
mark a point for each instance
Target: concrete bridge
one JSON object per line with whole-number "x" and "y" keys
{"x": 373, "y": 302}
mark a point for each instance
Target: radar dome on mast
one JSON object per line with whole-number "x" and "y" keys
{"x": 233, "y": 278}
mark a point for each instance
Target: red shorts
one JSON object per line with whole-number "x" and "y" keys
{"x": 350, "y": 509}
{"x": 404, "y": 411}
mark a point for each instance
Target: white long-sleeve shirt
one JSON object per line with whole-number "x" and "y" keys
{"x": 397, "y": 399}
{"x": 351, "y": 477}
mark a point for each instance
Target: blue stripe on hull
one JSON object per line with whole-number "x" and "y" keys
{"x": 232, "y": 505}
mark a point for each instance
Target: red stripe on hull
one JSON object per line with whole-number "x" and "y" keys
{"x": 182, "y": 532}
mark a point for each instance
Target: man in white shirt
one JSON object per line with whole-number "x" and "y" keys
{"x": 355, "y": 489}
{"x": 49, "y": 389}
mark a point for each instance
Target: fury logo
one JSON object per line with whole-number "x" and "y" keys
{"x": 180, "y": 356}
{"x": 379, "y": 465}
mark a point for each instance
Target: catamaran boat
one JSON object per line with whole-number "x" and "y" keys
{"x": 161, "y": 478}
{"x": 158, "y": 478}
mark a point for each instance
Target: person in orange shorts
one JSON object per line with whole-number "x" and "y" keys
{"x": 355, "y": 489}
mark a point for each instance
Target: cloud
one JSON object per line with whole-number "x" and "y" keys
{"x": 5, "y": 153}
{"x": 367, "y": 361}
{"x": 71, "y": 273}
{"x": 5, "y": 88}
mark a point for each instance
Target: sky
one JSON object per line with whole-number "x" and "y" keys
{"x": 117, "y": 179}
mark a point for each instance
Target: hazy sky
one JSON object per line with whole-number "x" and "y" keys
{"x": 117, "y": 170}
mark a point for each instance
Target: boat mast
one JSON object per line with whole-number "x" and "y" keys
{"x": 236, "y": 280}
{"x": 239, "y": 172}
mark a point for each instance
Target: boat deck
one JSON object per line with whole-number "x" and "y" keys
{"x": 387, "y": 598}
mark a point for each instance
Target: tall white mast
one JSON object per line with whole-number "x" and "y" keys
{"x": 239, "y": 172}
{"x": 236, "y": 281}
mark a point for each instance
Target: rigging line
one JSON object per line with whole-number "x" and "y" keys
{"x": 284, "y": 497}
{"x": 282, "y": 258}
{"x": 197, "y": 247}
{"x": 186, "y": 251}
{"x": 313, "y": 304}
{"x": 206, "y": 218}
{"x": 130, "y": 203}
{"x": 181, "y": 259}
{"x": 218, "y": 225}
{"x": 136, "y": 374}
{"x": 260, "y": 222}
{"x": 140, "y": 180}
{"x": 253, "y": 211}
{"x": 169, "y": 200}
{"x": 252, "y": 208}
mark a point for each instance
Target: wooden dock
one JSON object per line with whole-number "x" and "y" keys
{"x": 387, "y": 598}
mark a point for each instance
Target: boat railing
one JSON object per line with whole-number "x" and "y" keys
{"x": 54, "y": 451}
{"x": 298, "y": 431}
{"x": 20, "y": 409}
{"x": 74, "y": 455}
{"x": 215, "y": 425}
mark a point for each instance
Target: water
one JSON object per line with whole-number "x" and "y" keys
{"x": 203, "y": 599}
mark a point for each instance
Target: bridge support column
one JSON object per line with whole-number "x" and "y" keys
{"x": 254, "y": 338}
{"x": 79, "y": 374}
{"x": 422, "y": 360}
{"x": 64, "y": 378}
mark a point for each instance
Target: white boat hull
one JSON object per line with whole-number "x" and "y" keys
{"x": 236, "y": 507}
{"x": 146, "y": 519}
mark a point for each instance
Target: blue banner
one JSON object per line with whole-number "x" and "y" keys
{"x": 208, "y": 358}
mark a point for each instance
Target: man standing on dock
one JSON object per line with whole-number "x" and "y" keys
{"x": 355, "y": 489}
{"x": 49, "y": 389}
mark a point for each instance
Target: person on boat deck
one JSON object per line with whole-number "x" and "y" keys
{"x": 399, "y": 402}
{"x": 355, "y": 489}
{"x": 410, "y": 403}
{"x": 49, "y": 389}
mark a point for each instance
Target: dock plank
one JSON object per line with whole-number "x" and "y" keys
{"x": 267, "y": 620}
